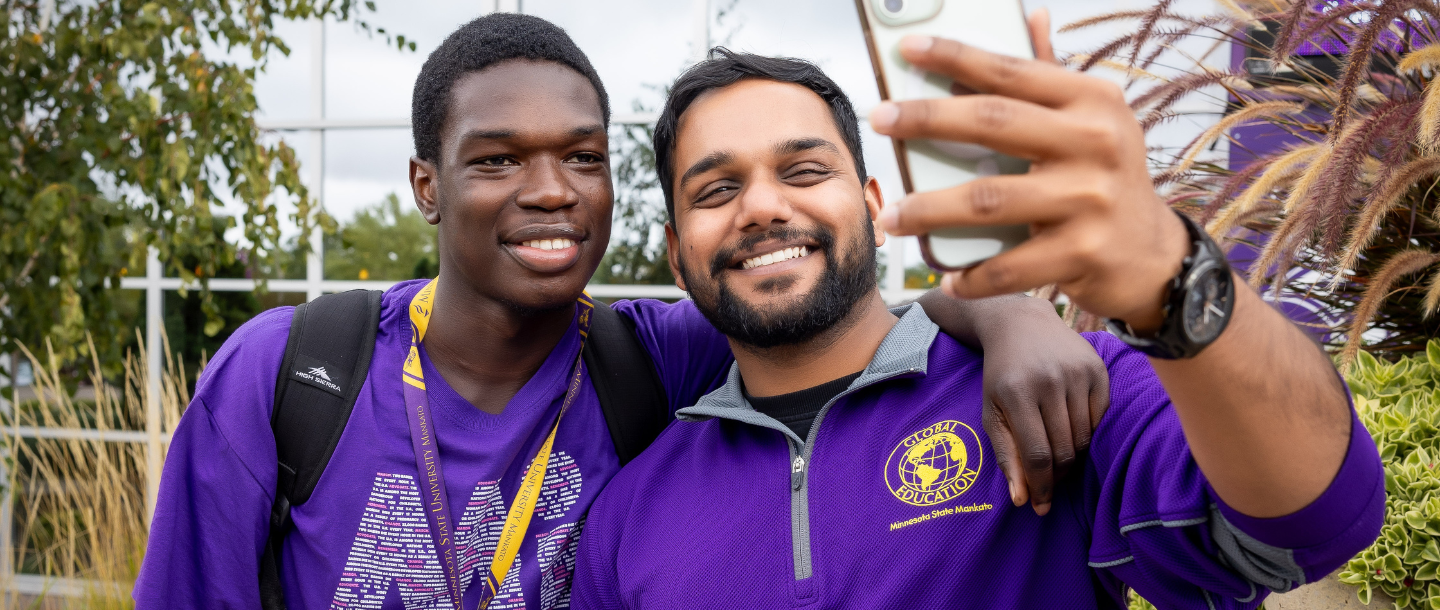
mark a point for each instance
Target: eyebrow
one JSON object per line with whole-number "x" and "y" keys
{"x": 709, "y": 162}
{"x": 488, "y": 134}
{"x": 505, "y": 134}
{"x": 586, "y": 130}
{"x": 790, "y": 147}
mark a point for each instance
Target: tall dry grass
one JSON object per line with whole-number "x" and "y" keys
{"x": 79, "y": 505}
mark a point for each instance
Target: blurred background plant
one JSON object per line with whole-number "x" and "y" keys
{"x": 79, "y": 503}
{"x": 1331, "y": 200}
{"x": 388, "y": 240}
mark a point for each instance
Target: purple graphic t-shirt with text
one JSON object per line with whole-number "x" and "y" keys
{"x": 362, "y": 540}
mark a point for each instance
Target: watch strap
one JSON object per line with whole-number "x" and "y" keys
{"x": 1172, "y": 341}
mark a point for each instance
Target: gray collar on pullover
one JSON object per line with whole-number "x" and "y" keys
{"x": 905, "y": 351}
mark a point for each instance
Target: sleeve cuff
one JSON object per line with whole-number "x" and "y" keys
{"x": 1356, "y": 489}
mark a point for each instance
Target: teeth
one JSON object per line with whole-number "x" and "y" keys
{"x": 778, "y": 256}
{"x": 549, "y": 244}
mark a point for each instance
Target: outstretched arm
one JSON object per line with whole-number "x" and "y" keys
{"x": 1045, "y": 387}
{"x": 1267, "y": 417}
{"x": 1263, "y": 411}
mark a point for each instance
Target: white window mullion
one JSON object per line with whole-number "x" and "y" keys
{"x": 154, "y": 363}
{"x": 315, "y": 259}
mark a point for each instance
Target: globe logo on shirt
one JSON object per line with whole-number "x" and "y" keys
{"x": 935, "y": 464}
{"x": 935, "y": 459}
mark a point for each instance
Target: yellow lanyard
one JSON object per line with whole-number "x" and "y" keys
{"x": 517, "y": 519}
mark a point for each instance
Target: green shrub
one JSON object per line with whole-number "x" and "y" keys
{"x": 1400, "y": 405}
{"x": 1139, "y": 603}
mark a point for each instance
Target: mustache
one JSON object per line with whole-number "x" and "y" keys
{"x": 721, "y": 261}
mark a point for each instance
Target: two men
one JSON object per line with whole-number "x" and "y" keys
{"x": 842, "y": 464}
{"x": 471, "y": 373}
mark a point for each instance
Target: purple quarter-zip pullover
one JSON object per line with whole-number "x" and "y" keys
{"x": 362, "y": 540}
{"x": 894, "y": 501}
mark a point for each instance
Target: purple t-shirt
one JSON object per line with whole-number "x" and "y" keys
{"x": 895, "y": 502}
{"x": 362, "y": 541}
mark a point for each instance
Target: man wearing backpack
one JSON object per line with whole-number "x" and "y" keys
{"x": 443, "y": 442}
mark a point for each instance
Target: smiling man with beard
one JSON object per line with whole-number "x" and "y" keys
{"x": 477, "y": 377}
{"x": 842, "y": 464}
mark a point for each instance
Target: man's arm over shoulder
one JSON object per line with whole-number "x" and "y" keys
{"x": 212, "y": 513}
{"x": 691, "y": 357}
{"x": 1159, "y": 527}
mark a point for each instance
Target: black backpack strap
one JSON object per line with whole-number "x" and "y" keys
{"x": 630, "y": 391}
{"x": 326, "y": 360}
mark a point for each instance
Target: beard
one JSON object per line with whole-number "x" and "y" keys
{"x": 787, "y": 321}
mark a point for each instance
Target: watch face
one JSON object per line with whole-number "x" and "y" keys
{"x": 1207, "y": 305}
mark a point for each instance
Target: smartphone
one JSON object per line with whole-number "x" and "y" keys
{"x": 997, "y": 26}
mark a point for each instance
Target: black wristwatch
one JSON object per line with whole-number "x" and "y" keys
{"x": 1198, "y": 303}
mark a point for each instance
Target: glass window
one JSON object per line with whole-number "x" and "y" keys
{"x": 363, "y": 166}
{"x": 282, "y": 91}
{"x": 822, "y": 31}
{"x": 366, "y": 78}
{"x": 637, "y": 46}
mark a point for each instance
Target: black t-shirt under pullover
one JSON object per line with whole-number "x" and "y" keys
{"x": 797, "y": 410}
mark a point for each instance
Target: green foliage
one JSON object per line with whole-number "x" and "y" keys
{"x": 1400, "y": 405}
{"x": 920, "y": 276}
{"x": 186, "y": 322}
{"x": 126, "y": 124}
{"x": 386, "y": 241}
{"x": 1139, "y": 603}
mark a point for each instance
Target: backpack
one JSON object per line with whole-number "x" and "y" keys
{"x": 327, "y": 357}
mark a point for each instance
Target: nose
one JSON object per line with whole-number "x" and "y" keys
{"x": 546, "y": 187}
{"x": 762, "y": 205}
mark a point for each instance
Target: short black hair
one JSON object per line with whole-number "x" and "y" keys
{"x": 725, "y": 68}
{"x": 477, "y": 45}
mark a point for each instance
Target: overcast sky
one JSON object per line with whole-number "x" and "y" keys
{"x": 637, "y": 46}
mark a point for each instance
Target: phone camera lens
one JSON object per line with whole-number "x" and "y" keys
{"x": 894, "y": 6}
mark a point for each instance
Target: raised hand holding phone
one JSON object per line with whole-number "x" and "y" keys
{"x": 1264, "y": 412}
{"x": 1097, "y": 227}
{"x": 930, "y": 164}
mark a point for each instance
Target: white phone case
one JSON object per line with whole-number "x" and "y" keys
{"x": 997, "y": 26}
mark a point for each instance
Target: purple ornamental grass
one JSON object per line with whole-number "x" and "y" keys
{"x": 1346, "y": 214}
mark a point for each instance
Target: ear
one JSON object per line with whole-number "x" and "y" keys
{"x": 672, "y": 250}
{"x": 874, "y": 201}
{"x": 422, "y": 182}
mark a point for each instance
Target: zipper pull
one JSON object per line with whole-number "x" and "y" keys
{"x": 797, "y": 473}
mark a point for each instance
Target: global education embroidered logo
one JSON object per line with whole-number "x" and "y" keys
{"x": 934, "y": 465}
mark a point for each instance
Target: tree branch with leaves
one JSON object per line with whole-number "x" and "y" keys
{"x": 130, "y": 124}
